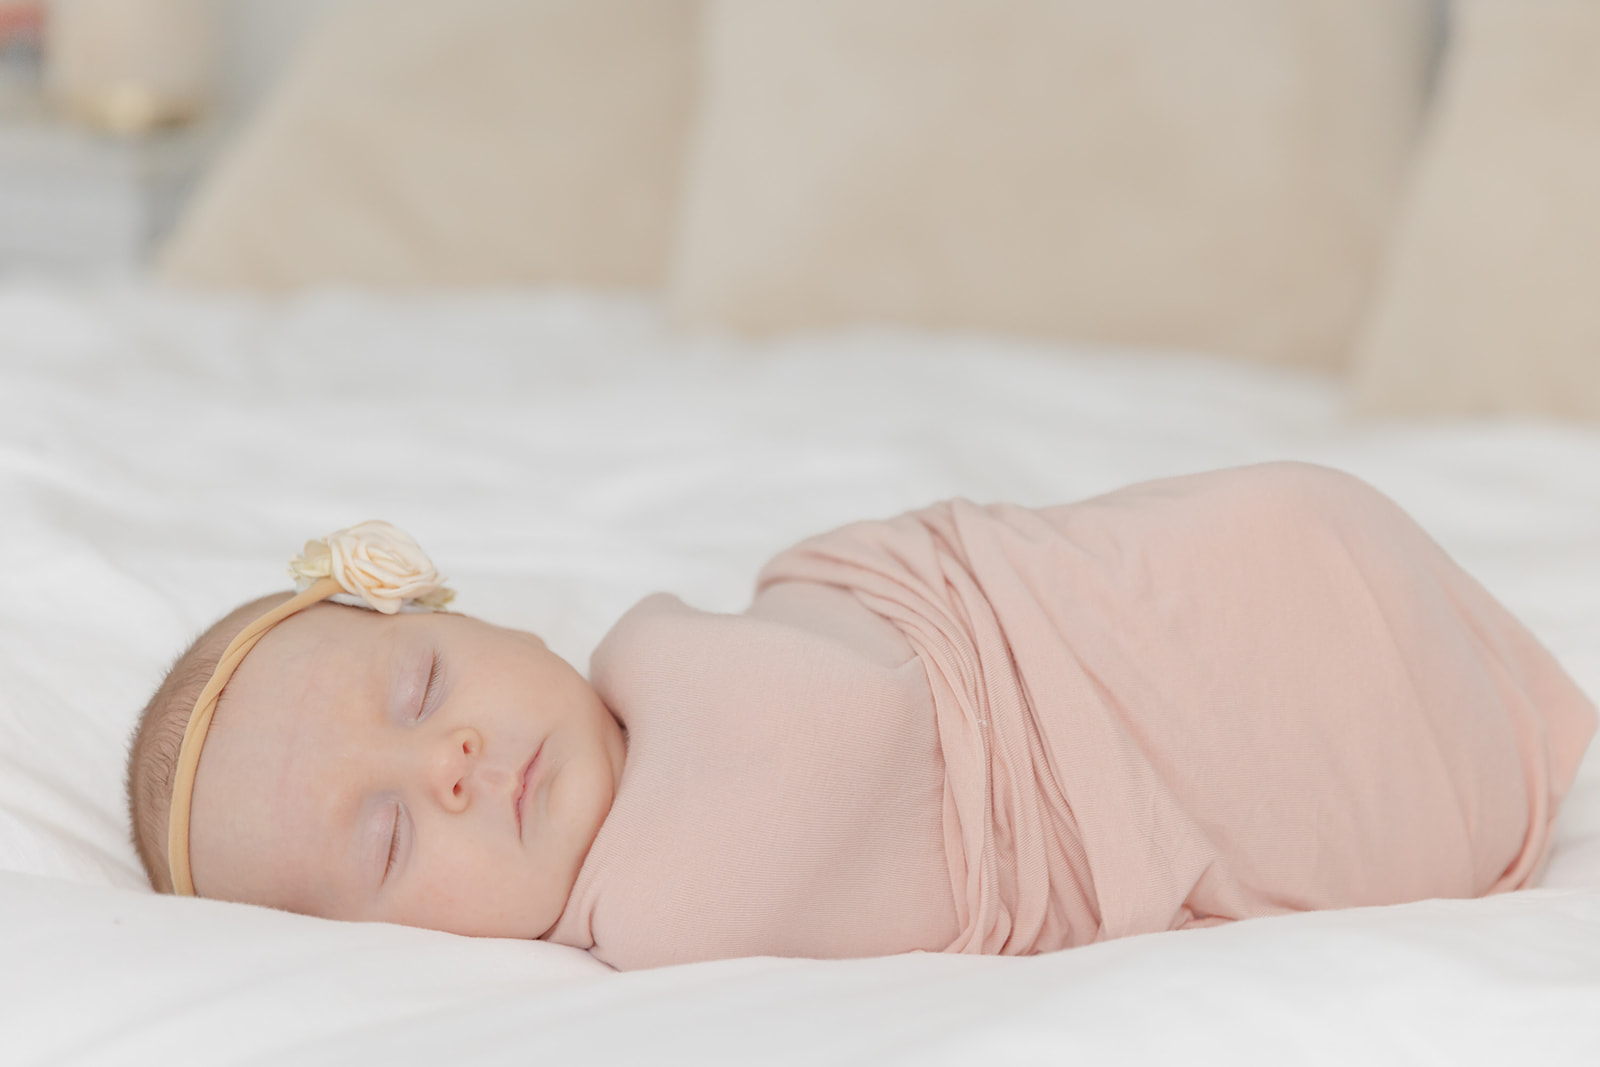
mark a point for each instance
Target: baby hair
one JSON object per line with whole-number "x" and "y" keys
{"x": 153, "y": 752}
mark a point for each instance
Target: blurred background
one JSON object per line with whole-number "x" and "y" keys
{"x": 1397, "y": 193}
{"x": 110, "y": 110}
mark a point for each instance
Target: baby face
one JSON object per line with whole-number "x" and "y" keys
{"x": 426, "y": 769}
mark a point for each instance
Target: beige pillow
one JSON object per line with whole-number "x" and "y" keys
{"x": 1208, "y": 175}
{"x": 1491, "y": 298}
{"x": 459, "y": 142}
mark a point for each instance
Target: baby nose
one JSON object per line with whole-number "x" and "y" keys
{"x": 453, "y": 759}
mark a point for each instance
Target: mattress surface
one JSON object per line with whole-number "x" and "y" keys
{"x": 562, "y": 455}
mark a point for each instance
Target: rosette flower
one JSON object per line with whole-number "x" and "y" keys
{"x": 377, "y": 564}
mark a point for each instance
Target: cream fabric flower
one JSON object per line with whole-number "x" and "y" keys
{"x": 377, "y": 564}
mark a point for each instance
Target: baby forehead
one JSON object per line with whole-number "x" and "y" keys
{"x": 330, "y": 631}
{"x": 330, "y": 619}
{"x": 331, "y": 649}
{"x": 335, "y": 659}
{"x": 320, "y": 637}
{"x": 318, "y": 653}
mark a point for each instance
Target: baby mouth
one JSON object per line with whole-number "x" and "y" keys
{"x": 520, "y": 801}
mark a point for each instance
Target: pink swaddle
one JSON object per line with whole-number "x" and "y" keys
{"x": 1206, "y": 698}
{"x": 1214, "y": 697}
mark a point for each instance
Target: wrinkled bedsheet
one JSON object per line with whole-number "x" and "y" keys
{"x": 563, "y": 455}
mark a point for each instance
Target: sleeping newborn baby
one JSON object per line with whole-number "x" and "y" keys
{"x": 967, "y": 729}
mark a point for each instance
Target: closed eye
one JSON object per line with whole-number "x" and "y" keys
{"x": 394, "y": 845}
{"x": 431, "y": 691}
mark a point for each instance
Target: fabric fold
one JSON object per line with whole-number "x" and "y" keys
{"x": 1209, "y": 698}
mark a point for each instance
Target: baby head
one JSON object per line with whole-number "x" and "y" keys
{"x": 424, "y": 768}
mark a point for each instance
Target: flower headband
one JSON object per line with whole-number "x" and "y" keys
{"x": 370, "y": 565}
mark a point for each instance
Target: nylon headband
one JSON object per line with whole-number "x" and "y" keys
{"x": 194, "y": 734}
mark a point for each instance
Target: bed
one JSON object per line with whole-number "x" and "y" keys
{"x": 562, "y": 454}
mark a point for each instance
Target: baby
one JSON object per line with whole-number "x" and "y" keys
{"x": 974, "y": 729}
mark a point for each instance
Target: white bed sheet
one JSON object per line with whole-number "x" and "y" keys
{"x": 561, "y": 455}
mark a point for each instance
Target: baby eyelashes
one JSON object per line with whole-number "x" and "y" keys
{"x": 394, "y": 846}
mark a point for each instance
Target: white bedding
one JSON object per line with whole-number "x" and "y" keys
{"x": 561, "y": 455}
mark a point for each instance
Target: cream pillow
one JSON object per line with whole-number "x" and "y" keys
{"x": 459, "y": 142}
{"x": 1491, "y": 299}
{"x": 1207, "y": 175}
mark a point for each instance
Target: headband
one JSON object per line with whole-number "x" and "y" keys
{"x": 370, "y": 565}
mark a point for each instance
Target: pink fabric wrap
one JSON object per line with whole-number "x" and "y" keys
{"x": 1195, "y": 700}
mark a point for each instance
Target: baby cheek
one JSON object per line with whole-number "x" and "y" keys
{"x": 483, "y": 892}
